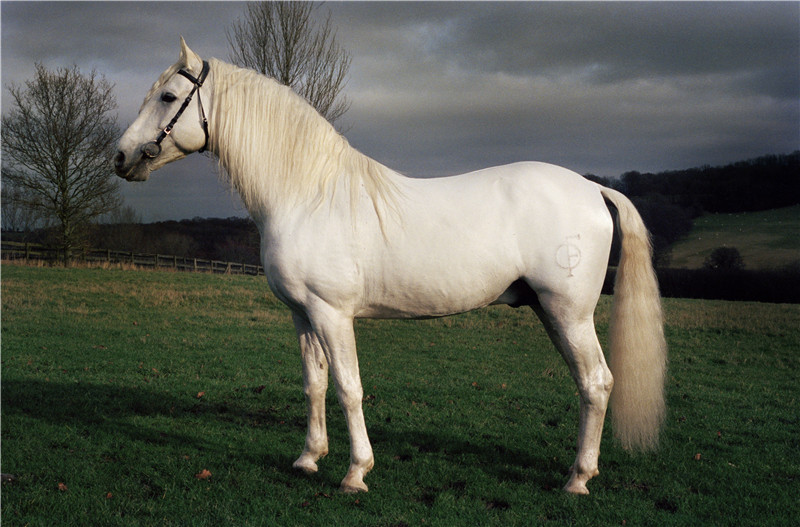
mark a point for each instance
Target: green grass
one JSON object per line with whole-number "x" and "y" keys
{"x": 473, "y": 418}
{"x": 766, "y": 239}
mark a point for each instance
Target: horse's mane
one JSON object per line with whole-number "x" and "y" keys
{"x": 278, "y": 147}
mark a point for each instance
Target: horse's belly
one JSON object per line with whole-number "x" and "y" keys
{"x": 427, "y": 303}
{"x": 440, "y": 279}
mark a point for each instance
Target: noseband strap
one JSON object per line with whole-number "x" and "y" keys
{"x": 153, "y": 148}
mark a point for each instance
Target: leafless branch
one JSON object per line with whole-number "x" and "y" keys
{"x": 284, "y": 41}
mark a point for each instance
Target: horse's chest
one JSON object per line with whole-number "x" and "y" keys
{"x": 299, "y": 274}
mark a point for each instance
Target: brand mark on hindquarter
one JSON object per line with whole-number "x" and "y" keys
{"x": 568, "y": 255}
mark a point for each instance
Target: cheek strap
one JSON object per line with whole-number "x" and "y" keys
{"x": 153, "y": 148}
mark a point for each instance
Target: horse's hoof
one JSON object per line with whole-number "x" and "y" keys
{"x": 307, "y": 466}
{"x": 353, "y": 487}
{"x": 577, "y": 488}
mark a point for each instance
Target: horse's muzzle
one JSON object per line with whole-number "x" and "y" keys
{"x": 119, "y": 163}
{"x": 136, "y": 171}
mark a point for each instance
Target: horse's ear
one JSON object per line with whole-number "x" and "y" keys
{"x": 189, "y": 59}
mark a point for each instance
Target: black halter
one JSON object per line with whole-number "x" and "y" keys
{"x": 153, "y": 148}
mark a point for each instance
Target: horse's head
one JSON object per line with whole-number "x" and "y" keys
{"x": 171, "y": 122}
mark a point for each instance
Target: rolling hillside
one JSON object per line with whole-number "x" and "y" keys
{"x": 765, "y": 239}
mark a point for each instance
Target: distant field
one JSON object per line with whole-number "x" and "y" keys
{"x": 765, "y": 239}
{"x": 162, "y": 398}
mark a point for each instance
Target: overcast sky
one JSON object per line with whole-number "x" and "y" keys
{"x": 444, "y": 88}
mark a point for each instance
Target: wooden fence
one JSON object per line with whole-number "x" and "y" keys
{"x": 32, "y": 251}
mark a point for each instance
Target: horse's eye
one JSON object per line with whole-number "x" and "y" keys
{"x": 168, "y": 97}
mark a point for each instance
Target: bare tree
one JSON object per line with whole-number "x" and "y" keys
{"x": 58, "y": 140}
{"x": 282, "y": 40}
{"x": 126, "y": 215}
{"x": 16, "y": 217}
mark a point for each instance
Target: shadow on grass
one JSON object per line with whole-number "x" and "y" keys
{"x": 60, "y": 403}
{"x": 526, "y": 464}
{"x": 110, "y": 410}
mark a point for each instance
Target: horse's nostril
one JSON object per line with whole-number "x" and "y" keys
{"x": 119, "y": 160}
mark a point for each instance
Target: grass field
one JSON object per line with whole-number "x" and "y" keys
{"x": 765, "y": 239}
{"x": 120, "y": 388}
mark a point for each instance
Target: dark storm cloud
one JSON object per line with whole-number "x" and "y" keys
{"x": 129, "y": 42}
{"x": 595, "y": 86}
{"x": 441, "y": 88}
{"x": 610, "y": 41}
{"x": 625, "y": 40}
{"x": 107, "y": 32}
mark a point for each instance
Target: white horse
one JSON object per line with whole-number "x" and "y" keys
{"x": 343, "y": 237}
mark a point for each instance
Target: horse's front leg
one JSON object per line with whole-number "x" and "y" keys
{"x": 335, "y": 333}
{"x": 315, "y": 386}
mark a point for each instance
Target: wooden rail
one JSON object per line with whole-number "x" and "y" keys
{"x": 34, "y": 251}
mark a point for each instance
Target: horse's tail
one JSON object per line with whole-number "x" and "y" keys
{"x": 638, "y": 358}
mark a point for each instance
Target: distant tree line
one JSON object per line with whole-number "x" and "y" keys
{"x": 670, "y": 201}
{"x": 225, "y": 239}
{"x": 763, "y": 183}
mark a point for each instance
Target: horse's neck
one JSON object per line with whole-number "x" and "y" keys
{"x": 281, "y": 155}
{"x": 266, "y": 193}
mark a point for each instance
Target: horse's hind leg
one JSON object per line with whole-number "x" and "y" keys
{"x": 315, "y": 386}
{"x": 572, "y": 331}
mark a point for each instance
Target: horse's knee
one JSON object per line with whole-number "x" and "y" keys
{"x": 315, "y": 391}
{"x": 351, "y": 398}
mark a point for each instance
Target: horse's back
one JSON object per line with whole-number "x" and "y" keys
{"x": 538, "y": 188}
{"x": 524, "y": 208}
